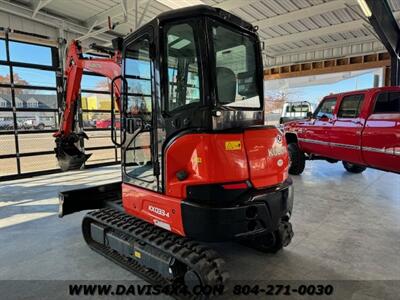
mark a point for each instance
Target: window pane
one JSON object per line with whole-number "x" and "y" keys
{"x": 4, "y": 74}
{"x": 96, "y": 120}
{"x": 350, "y": 106}
{"x": 92, "y": 101}
{"x": 388, "y": 103}
{"x": 138, "y": 68}
{"x": 139, "y": 105}
{"x": 38, "y": 163}
{"x": 7, "y": 142}
{"x": 236, "y": 68}
{"x": 3, "y": 54}
{"x": 95, "y": 83}
{"x": 28, "y": 53}
{"x": 326, "y": 109}
{"x": 8, "y": 166}
{"x": 297, "y": 108}
{"x": 36, "y": 142}
{"x": 6, "y": 121}
{"x": 101, "y": 156}
{"x": 25, "y": 76}
{"x": 26, "y": 98}
{"x": 5, "y": 98}
{"x": 98, "y": 139}
{"x": 183, "y": 67}
{"x": 37, "y": 120}
{"x": 139, "y": 86}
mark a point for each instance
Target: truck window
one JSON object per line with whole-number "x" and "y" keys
{"x": 388, "y": 102}
{"x": 325, "y": 109}
{"x": 351, "y": 106}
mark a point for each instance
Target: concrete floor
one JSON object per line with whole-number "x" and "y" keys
{"x": 347, "y": 227}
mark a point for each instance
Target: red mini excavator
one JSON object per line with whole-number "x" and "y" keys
{"x": 198, "y": 164}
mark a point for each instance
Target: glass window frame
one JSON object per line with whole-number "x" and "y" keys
{"x": 376, "y": 100}
{"x": 346, "y": 98}
{"x": 195, "y": 25}
{"x": 259, "y": 65}
{"x": 317, "y": 110}
{"x": 49, "y": 48}
{"x": 128, "y": 178}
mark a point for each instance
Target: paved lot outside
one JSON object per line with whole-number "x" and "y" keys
{"x": 36, "y": 142}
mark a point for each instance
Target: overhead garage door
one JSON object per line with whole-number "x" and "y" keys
{"x": 29, "y": 111}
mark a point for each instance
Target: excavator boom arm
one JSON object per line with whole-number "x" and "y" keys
{"x": 67, "y": 153}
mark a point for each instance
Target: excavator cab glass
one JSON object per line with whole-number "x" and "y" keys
{"x": 235, "y": 67}
{"x": 187, "y": 70}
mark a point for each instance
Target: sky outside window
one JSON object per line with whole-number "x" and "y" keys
{"x": 313, "y": 93}
{"x": 3, "y": 55}
{"x": 34, "y": 77}
{"x": 31, "y": 54}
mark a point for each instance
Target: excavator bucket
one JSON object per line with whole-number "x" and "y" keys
{"x": 72, "y": 160}
{"x": 68, "y": 155}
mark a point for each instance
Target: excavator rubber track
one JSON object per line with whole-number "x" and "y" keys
{"x": 192, "y": 256}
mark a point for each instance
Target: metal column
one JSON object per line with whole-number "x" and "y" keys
{"x": 385, "y": 25}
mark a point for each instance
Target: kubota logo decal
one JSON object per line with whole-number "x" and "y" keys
{"x": 158, "y": 211}
{"x": 276, "y": 151}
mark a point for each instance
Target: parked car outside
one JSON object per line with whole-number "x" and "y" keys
{"x": 107, "y": 124}
{"x": 39, "y": 123}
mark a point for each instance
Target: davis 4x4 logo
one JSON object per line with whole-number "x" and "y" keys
{"x": 158, "y": 211}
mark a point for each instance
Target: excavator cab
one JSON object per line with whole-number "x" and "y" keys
{"x": 193, "y": 71}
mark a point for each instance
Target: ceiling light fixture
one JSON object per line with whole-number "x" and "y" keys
{"x": 365, "y": 8}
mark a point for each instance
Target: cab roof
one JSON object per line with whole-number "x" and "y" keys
{"x": 204, "y": 10}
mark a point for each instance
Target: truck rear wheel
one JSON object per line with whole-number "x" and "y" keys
{"x": 353, "y": 168}
{"x": 297, "y": 159}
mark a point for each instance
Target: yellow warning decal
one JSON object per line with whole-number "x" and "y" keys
{"x": 233, "y": 145}
{"x": 138, "y": 254}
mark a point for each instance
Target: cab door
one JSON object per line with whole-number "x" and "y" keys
{"x": 314, "y": 137}
{"x": 345, "y": 135}
{"x": 140, "y": 165}
{"x": 381, "y": 136}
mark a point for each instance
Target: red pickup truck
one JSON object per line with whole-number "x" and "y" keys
{"x": 360, "y": 128}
